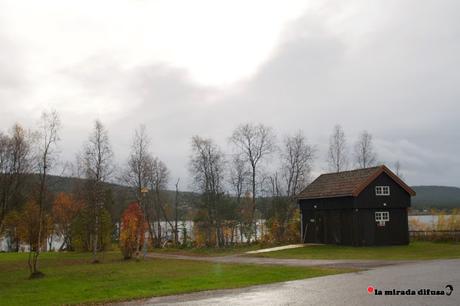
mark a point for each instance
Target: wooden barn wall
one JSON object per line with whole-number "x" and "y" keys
{"x": 367, "y": 232}
{"x": 351, "y": 227}
{"x": 398, "y": 197}
{"x": 328, "y": 226}
{"x": 328, "y": 203}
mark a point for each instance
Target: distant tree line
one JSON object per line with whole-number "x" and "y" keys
{"x": 257, "y": 179}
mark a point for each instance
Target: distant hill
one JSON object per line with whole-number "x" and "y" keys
{"x": 121, "y": 195}
{"x": 436, "y": 197}
{"x": 441, "y": 197}
{"x": 67, "y": 184}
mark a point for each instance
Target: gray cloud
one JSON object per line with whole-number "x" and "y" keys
{"x": 397, "y": 77}
{"x": 400, "y": 83}
{"x": 14, "y": 84}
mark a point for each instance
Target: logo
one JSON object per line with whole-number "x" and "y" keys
{"x": 446, "y": 291}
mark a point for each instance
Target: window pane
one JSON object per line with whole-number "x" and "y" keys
{"x": 386, "y": 190}
{"x": 382, "y": 216}
{"x": 382, "y": 190}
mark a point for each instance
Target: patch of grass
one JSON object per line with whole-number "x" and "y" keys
{"x": 413, "y": 251}
{"x": 225, "y": 251}
{"x": 70, "y": 278}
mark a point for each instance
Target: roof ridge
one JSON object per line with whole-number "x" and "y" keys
{"x": 348, "y": 183}
{"x": 354, "y": 170}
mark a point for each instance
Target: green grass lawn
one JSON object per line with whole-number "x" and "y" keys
{"x": 413, "y": 251}
{"x": 71, "y": 278}
{"x": 239, "y": 249}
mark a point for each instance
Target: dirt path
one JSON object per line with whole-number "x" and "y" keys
{"x": 284, "y": 247}
{"x": 340, "y": 263}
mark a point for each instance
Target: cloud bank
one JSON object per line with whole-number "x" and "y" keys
{"x": 389, "y": 67}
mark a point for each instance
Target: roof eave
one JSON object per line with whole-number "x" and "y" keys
{"x": 324, "y": 197}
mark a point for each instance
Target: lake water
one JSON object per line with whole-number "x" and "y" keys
{"x": 55, "y": 242}
{"x": 429, "y": 220}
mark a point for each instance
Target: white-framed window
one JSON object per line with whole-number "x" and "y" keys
{"x": 382, "y": 190}
{"x": 382, "y": 216}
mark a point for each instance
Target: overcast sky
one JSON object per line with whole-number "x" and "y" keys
{"x": 187, "y": 68}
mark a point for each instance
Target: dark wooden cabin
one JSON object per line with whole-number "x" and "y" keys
{"x": 362, "y": 207}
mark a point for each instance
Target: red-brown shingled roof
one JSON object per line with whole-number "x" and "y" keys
{"x": 347, "y": 183}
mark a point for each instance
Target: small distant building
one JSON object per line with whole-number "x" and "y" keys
{"x": 363, "y": 207}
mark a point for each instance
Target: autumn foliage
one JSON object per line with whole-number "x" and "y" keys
{"x": 12, "y": 229}
{"x": 133, "y": 227}
{"x": 29, "y": 223}
{"x": 65, "y": 210}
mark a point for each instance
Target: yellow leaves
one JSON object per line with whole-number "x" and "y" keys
{"x": 23, "y": 226}
{"x": 133, "y": 227}
{"x": 441, "y": 227}
{"x": 65, "y": 209}
{"x": 29, "y": 222}
{"x": 417, "y": 225}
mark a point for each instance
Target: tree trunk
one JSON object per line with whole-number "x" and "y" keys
{"x": 176, "y": 234}
{"x": 254, "y": 201}
{"x": 95, "y": 235}
{"x": 34, "y": 273}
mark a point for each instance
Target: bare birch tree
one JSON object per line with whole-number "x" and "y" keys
{"x": 207, "y": 169}
{"x": 139, "y": 162}
{"x": 138, "y": 172}
{"x": 238, "y": 181}
{"x": 4, "y": 173}
{"x": 337, "y": 154}
{"x": 296, "y": 163}
{"x": 364, "y": 151}
{"x": 238, "y": 176}
{"x": 176, "y": 213}
{"x": 297, "y": 159}
{"x": 15, "y": 164}
{"x": 398, "y": 169}
{"x": 158, "y": 180}
{"x": 254, "y": 143}
{"x": 97, "y": 163}
{"x": 47, "y": 139}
